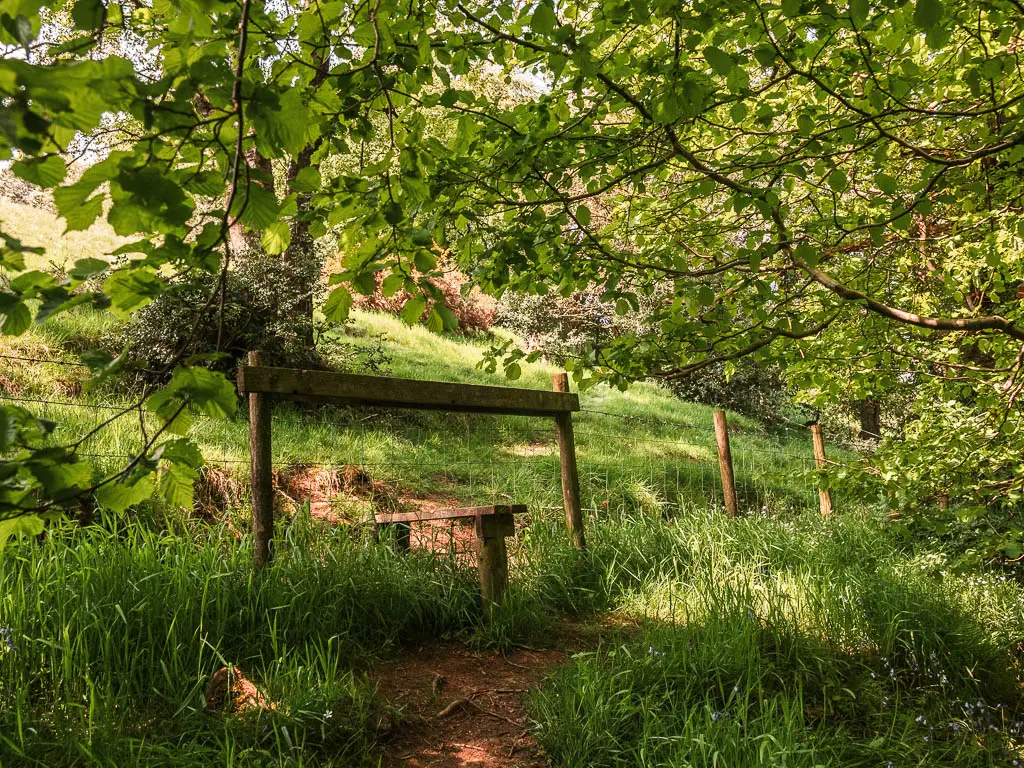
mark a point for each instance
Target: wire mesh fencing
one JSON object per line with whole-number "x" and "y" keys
{"x": 357, "y": 459}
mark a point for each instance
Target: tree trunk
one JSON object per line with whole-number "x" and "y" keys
{"x": 870, "y": 419}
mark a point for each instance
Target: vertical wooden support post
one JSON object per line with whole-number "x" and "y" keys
{"x": 732, "y": 505}
{"x": 492, "y": 557}
{"x": 261, "y": 474}
{"x": 399, "y": 534}
{"x": 824, "y": 497}
{"x": 570, "y": 472}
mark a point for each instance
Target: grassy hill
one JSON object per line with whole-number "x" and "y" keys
{"x": 773, "y": 639}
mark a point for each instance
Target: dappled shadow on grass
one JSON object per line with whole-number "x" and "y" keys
{"x": 799, "y": 643}
{"x": 738, "y": 690}
{"x": 829, "y": 633}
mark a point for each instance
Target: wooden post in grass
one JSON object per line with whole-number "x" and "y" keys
{"x": 570, "y": 472}
{"x": 824, "y": 497}
{"x": 261, "y": 474}
{"x": 492, "y": 556}
{"x": 732, "y": 506}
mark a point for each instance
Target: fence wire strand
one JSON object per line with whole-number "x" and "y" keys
{"x": 642, "y": 470}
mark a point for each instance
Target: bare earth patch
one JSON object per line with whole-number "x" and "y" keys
{"x": 461, "y": 708}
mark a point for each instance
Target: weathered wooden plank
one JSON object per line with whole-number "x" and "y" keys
{"x": 570, "y": 472}
{"x": 492, "y": 559}
{"x": 385, "y": 518}
{"x": 355, "y": 389}
{"x": 489, "y": 526}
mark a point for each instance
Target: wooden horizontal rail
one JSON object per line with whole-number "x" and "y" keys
{"x": 449, "y": 514}
{"x": 354, "y": 389}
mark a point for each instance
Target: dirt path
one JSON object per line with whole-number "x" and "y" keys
{"x": 461, "y": 708}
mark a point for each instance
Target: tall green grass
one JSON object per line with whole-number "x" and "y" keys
{"x": 789, "y": 641}
{"x": 797, "y": 643}
{"x": 113, "y": 634}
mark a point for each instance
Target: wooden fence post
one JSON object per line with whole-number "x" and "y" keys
{"x": 824, "y": 497}
{"x": 732, "y": 506}
{"x": 261, "y": 474}
{"x": 570, "y": 472}
{"x": 492, "y": 557}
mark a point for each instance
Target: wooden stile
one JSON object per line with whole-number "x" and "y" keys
{"x": 570, "y": 472}
{"x": 824, "y": 496}
{"x": 260, "y": 383}
{"x": 261, "y": 474}
{"x": 493, "y": 525}
{"x": 385, "y": 518}
{"x": 732, "y": 506}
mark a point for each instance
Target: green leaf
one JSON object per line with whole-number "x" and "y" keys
{"x": 413, "y": 310}
{"x": 859, "y": 10}
{"x": 886, "y": 183}
{"x": 63, "y": 479}
{"x": 583, "y": 215}
{"x": 449, "y": 318}
{"x": 31, "y": 525}
{"x": 805, "y": 124}
{"x": 79, "y": 216}
{"x": 131, "y": 289}
{"x": 720, "y": 61}
{"x": 46, "y": 172}
{"x": 338, "y": 305}
{"x": 837, "y": 180}
{"x": 393, "y": 213}
{"x": 307, "y": 180}
{"x": 182, "y": 460}
{"x": 207, "y": 391}
{"x": 807, "y": 253}
{"x": 276, "y": 237}
{"x": 88, "y": 14}
{"x": 791, "y": 8}
{"x": 279, "y": 118}
{"x": 738, "y": 112}
{"x": 764, "y": 54}
{"x": 927, "y": 13}
{"x": 88, "y": 267}
{"x": 513, "y": 371}
{"x": 392, "y": 284}
{"x": 260, "y": 207}
{"x": 20, "y": 28}
{"x": 17, "y": 318}
{"x": 544, "y": 21}
{"x": 119, "y": 496}
{"x": 434, "y": 322}
{"x": 424, "y": 260}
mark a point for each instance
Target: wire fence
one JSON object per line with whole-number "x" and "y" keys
{"x": 346, "y": 458}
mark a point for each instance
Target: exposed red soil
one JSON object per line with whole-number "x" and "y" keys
{"x": 229, "y": 690}
{"x": 460, "y": 708}
{"x": 340, "y": 496}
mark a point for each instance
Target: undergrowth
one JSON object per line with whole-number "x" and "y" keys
{"x": 776, "y": 639}
{"x": 760, "y": 642}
